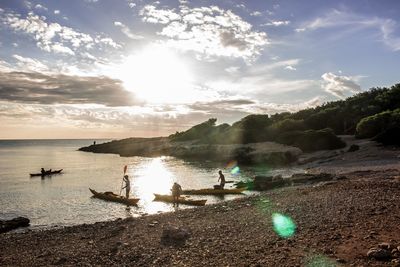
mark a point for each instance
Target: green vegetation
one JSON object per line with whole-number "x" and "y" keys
{"x": 366, "y": 115}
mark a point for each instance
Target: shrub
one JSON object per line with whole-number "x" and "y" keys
{"x": 312, "y": 140}
{"x": 370, "y": 126}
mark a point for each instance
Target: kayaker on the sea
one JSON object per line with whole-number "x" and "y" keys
{"x": 222, "y": 179}
{"x": 176, "y": 193}
{"x": 127, "y": 186}
{"x": 42, "y": 171}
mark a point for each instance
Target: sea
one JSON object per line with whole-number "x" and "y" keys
{"x": 64, "y": 199}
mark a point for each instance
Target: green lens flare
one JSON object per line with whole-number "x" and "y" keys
{"x": 320, "y": 261}
{"x": 283, "y": 225}
{"x": 235, "y": 170}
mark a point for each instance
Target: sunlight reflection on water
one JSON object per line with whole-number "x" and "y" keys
{"x": 65, "y": 199}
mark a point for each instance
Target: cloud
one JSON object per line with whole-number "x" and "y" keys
{"x": 277, "y": 23}
{"x": 125, "y": 30}
{"x": 53, "y": 37}
{"x": 56, "y": 12}
{"x": 350, "y": 22}
{"x": 41, "y": 7}
{"x": 256, "y": 14}
{"x": 30, "y": 64}
{"x": 37, "y": 88}
{"x": 131, "y": 5}
{"x": 208, "y": 31}
{"x": 340, "y": 85}
{"x": 290, "y": 68}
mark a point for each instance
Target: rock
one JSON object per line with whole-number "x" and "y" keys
{"x": 353, "y": 148}
{"x": 60, "y": 261}
{"x": 15, "y": 223}
{"x": 338, "y": 260}
{"x": 268, "y": 182}
{"x": 385, "y": 245}
{"x": 174, "y": 235}
{"x": 379, "y": 254}
{"x": 307, "y": 178}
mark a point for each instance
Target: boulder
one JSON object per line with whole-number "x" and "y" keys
{"x": 15, "y": 223}
{"x": 174, "y": 235}
{"x": 379, "y": 254}
{"x": 268, "y": 182}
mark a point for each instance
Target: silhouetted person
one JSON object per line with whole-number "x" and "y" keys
{"x": 222, "y": 179}
{"x": 127, "y": 186}
{"x": 42, "y": 171}
{"x": 94, "y": 143}
{"x": 176, "y": 193}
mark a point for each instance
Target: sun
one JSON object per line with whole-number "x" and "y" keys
{"x": 157, "y": 75}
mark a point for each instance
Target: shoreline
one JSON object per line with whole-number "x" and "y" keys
{"x": 334, "y": 220}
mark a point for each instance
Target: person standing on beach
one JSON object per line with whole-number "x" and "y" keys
{"x": 127, "y": 186}
{"x": 176, "y": 193}
{"x": 222, "y": 179}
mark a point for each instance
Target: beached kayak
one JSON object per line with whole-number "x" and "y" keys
{"x": 46, "y": 173}
{"x": 211, "y": 191}
{"x": 182, "y": 200}
{"x": 110, "y": 196}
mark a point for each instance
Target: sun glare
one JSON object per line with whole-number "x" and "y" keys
{"x": 157, "y": 75}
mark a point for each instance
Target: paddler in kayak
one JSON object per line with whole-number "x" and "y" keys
{"x": 127, "y": 186}
{"x": 42, "y": 171}
{"x": 222, "y": 179}
{"x": 176, "y": 193}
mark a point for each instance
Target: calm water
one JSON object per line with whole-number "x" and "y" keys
{"x": 65, "y": 199}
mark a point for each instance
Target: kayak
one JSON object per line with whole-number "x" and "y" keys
{"x": 211, "y": 191}
{"x": 182, "y": 200}
{"x": 110, "y": 196}
{"x": 46, "y": 173}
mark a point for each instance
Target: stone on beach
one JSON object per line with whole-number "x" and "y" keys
{"x": 15, "y": 223}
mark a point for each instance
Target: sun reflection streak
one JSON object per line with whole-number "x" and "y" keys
{"x": 152, "y": 177}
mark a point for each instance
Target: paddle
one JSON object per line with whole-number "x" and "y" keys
{"x": 122, "y": 182}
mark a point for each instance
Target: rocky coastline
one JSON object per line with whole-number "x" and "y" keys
{"x": 266, "y": 152}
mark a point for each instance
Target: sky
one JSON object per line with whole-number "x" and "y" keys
{"x": 131, "y": 68}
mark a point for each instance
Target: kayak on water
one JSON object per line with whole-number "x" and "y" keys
{"x": 46, "y": 173}
{"x": 182, "y": 200}
{"x": 110, "y": 196}
{"x": 211, "y": 191}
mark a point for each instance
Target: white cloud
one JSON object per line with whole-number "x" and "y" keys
{"x": 131, "y": 5}
{"x": 340, "y": 85}
{"x": 290, "y": 68}
{"x": 256, "y": 14}
{"x": 41, "y": 7}
{"x": 208, "y": 31}
{"x": 232, "y": 69}
{"x": 56, "y": 11}
{"x": 53, "y": 37}
{"x": 30, "y": 64}
{"x": 277, "y": 23}
{"x": 351, "y": 22}
{"x": 125, "y": 30}
{"x": 163, "y": 16}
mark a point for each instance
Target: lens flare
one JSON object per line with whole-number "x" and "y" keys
{"x": 320, "y": 261}
{"x": 235, "y": 170}
{"x": 283, "y": 225}
{"x": 231, "y": 164}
